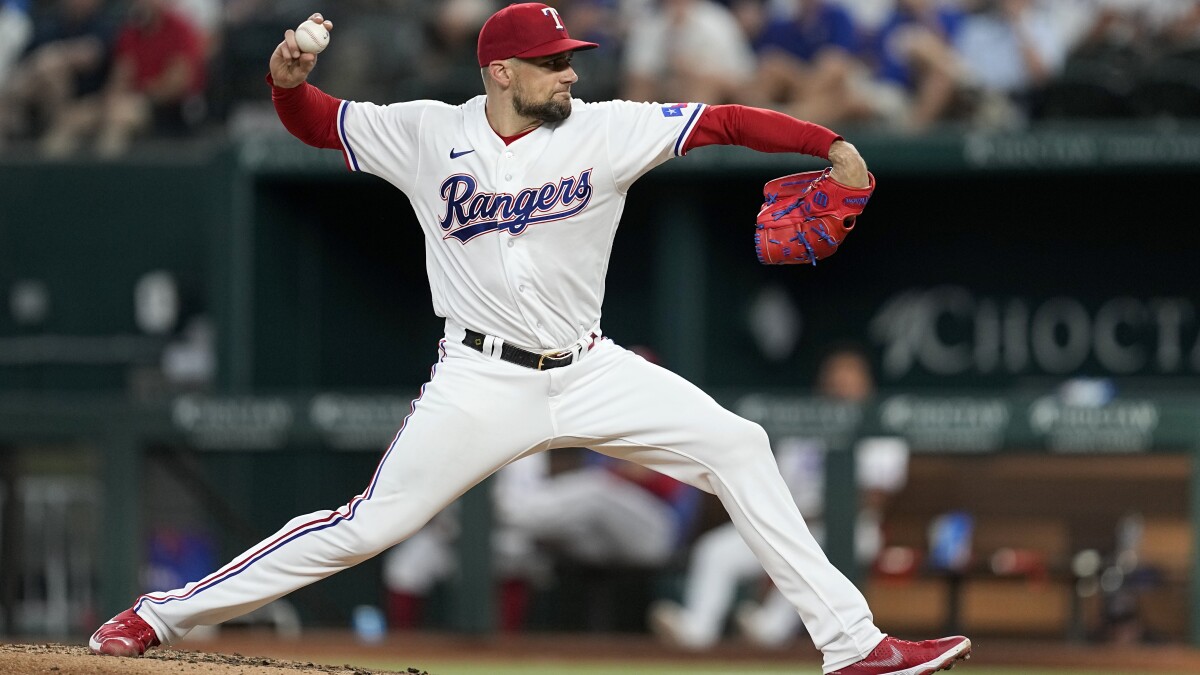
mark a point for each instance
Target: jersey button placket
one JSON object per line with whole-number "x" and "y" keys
{"x": 517, "y": 264}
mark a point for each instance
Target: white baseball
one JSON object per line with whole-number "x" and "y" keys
{"x": 311, "y": 37}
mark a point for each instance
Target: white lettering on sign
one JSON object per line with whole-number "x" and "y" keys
{"x": 948, "y": 331}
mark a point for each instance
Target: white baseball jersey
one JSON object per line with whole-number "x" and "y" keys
{"x": 517, "y": 237}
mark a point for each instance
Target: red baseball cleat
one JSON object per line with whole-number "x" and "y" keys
{"x": 901, "y": 657}
{"x": 126, "y": 634}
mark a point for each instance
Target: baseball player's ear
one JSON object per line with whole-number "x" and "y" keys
{"x": 500, "y": 72}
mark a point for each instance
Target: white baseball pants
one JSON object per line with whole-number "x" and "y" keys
{"x": 475, "y": 415}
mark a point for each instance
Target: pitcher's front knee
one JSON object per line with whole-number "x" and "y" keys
{"x": 739, "y": 441}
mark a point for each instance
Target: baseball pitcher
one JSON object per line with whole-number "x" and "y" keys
{"x": 519, "y": 192}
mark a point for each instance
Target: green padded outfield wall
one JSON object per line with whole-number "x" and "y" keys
{"x": 83, "y": 234}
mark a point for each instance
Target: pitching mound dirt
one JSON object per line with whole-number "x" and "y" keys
{"x": 56, "y": 659}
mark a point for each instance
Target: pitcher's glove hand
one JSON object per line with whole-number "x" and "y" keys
{"x": 805, "y": 216}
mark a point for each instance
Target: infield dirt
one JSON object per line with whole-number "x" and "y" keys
{"x": 57, "y": 659}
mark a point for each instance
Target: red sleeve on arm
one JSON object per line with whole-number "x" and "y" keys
{"x": 308, "y": 113}
{"x": 758, "y": 129}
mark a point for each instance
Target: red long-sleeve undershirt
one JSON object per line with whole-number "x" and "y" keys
{"x": 308, "y": 114}
{"x": 758, "y": 129}
{"x": 311, "y": 115}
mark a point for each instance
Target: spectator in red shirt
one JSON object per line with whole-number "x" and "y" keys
{"x": 156, "y": 85}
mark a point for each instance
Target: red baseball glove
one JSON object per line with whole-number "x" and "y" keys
{"x": 805, "y": 216}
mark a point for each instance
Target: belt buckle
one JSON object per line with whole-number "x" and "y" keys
{"x": 542, "y": 358}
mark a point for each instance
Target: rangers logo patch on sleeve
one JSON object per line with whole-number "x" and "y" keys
{"x": 673, "y": 109}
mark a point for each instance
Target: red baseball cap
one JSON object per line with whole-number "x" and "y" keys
{"x": 527, "y": 30}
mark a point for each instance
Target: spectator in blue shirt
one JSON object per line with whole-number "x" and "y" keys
{"x": 913, "y": 56}
{"x": 808, "y": 64}
{"x": 816, "y": 26}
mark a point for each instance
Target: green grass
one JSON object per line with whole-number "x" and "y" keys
{"x": 547, "y": 667}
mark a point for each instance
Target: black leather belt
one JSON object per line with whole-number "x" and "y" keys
{"x": 521, "y": 357}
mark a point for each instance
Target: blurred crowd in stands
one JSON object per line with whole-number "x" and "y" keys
{"x": 95, "y": 75}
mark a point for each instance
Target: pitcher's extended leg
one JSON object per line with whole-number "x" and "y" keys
{"x": 638, "y": 411}
{"x": 457, "y": 434}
